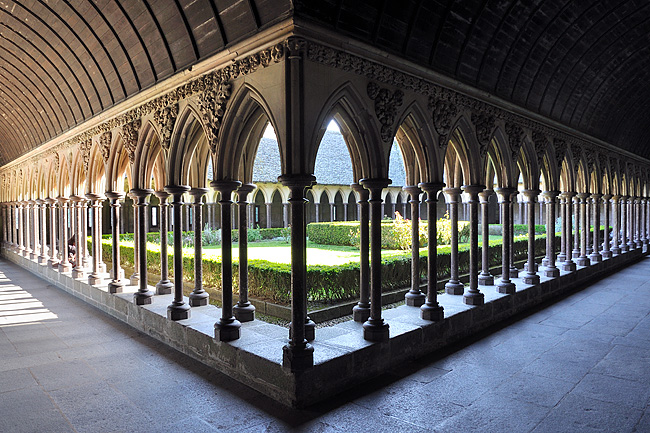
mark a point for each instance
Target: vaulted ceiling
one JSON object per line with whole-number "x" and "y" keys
{"x": 583, "y": 63}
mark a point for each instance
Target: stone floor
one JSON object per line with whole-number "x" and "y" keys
{"x": 579, "y": 365}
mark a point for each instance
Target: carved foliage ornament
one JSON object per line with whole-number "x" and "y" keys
{"x": 166, "y": 118}
{"x": 541, "y": 143}
{"x": 560, "y": 150}
{"x": 515, "y": 136}
{"x": 105, "y": 141}
{"x": 212, "y": 104}
{"x": 130, "y": 138}
{"x": 84, "y": 148}
{"x": 484, "y": 125}
{"x": 444, "y": 113}
{"x": 386, "y": 105}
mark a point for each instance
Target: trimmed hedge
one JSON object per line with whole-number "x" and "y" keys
{"x": 519, "y": 229}
{"x": 253, "y": 235}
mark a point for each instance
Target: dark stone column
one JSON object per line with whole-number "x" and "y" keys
{"x": 164, "y": 286}
{"x": 588, "y": 218}
{"x": 21, "y": 228}
{"x": 582, "y": 259}
{"x": 64, "y": 264}
{"x": 29, "y": 229}
{"x": 361, "y": 311}
{"x": 531, "y": 276}
{"x": 514, "y": 272}
{"x": 453, "y": 286}
{"x": 550, "y": 269}
{"x": 595, "y": 255}
{"x": 317, "y": 209}
{"x": 143, "y": 296}
{"x": 269, "y": 219}
{"x": 298, "y": 354}
{"x": 227, "y": 328}
{"x": 563, "y": 251}
{"x": 244, "y": 311}
{"x": 178, "y": 309}
{"x": 43, "y": 254}
{"x": 285, "y": 214}
{"x": 624, "y": 224}
{"x": 135, "y": 278}
{"x": 616, "y": 217}
{"x": 643, "y": 220}
{"x": 606, "y": 253}
{"x": 473, "y": 296}
{"x": 78, "y": 270}
{"x": 485, "y": 278}
{"x": 638, "y": 219}
{"x": 505, "y": 285}
{"x": 52, "y": 260}
{"x": 568, "y": 265}
{"x": 414, "y": 297}
{"x": 95, "y": 276}
{"x": 375, "y": 329}
{"x": 432, "y": 310}
{"x": 199, "y": 296}
{"x": 577, "y": 227}
{"x": 345, "y": 211}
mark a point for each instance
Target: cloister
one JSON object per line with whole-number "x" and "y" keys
{"x": 158, "y": 142}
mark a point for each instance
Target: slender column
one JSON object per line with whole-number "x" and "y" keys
{"x": 29, "y": 229}
{"x": 505, "y": 202}
{"x": 514, "y": 272}
{"x": 116, "y": 285}
{"x": 623, "y": 227}
{"x": 95, "y": 277}
{"x": 21, "y": 228}
{"x": 473, "y": 296}
{"x": 550, "y": 269}
{"x": 531, "y": 276}
{"x": 244, "y": 311}
{"x": 164, "y": 286}
{"x": 606, "y": 253}
{"x": 647, "y": 219}
{"x": 582, "y": 259}
{"x": 227, "y": 328}
{"x": 563, "y": 251}
{"x": 638, "y": 222}
{"x": 453, "y": 286}
{"x": 345, "y": 212}
{"x": 485, "y": 278}
{"x": 332, "y": 212}
{"x": 143, "y": 296}
{"x": 40, "y": 229}
{"x": 36, "y": 245}
{"x": 199, "y": 296}
{"x": 361, "y": 311}
{"x": 414, "y": 297}
{"x": 643, "y": 210}
{"x": 64, "y": 263}
{"x": 317, "y": 210}
{"x": 52, "y": 260}
{"x": 269, "y": 220}
{"x": 298, "y": 354}
{"x": 588, "y": 218}
{"x": 78, "y": 269}
{"x": 84, "y": 234}
{"x": 568, "y": 265}
{"x": 595, "y": 255}
{"x": 577, "y": 228}
{"x": 375, "y": 329}
{"x": 432, "y": 310}
{"x": 135, "y": 278}
{"x": 178, "y": 309}
{"x": 285, "y": 214}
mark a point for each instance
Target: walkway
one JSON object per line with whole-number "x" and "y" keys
{"x": 579, "y": 365}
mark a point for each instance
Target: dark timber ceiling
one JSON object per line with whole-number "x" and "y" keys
{"x": 584, "y": 63}
{"x": 64, "y": 61}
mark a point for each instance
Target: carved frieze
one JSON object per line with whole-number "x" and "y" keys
{"x": 166, "y": 118}
{"x": 560, "y": 150}
{"x": 484, "y": 126}
{"x": 541, "y": 143}
{"x": 443, "y": 114}
{"x": 386, "y": 105}
{"x": 84, "y": 148}
{"x": 212, "y": 104}
{"x": 105, "y": 140}
{"x": 515, "y": 135}
{"x": 130, "y": 138}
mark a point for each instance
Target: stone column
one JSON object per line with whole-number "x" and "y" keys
{"x": 332, "y": 212}
{"x": 577, "y": 227}
{"x": 64, "y": 263}
{"x": 563, "y": 251}
{"x": 285, "y": 214}
{"x": 143, "y": 296}
{"x": 269, "y": 220}
{"x": 550, "y": 269}
{"x": 199, "y": 296}
{"x": 95, "y": 277}
{"x": 643, "y": 208}
{"x": 298, "y": 354}
{"x": 616, "y": 223}
{"x": 623, "y": 218}
{"x": 638, "y": 219}
{"x": 595, "y": 255}
{"x": 606, "y": 253}
{"x": 485, "y": 278}
{"x": 473, "y": 296}
{"x": 84, "y": 234}
{"x": 414, "y": 297}
{"x": 178, "y": 309}
{"x": 116, "y": 285}
{"x": 135, "y": 278}
{"x": 582, "y": 259}
{"x": 505, "y": 201}
{"x": 531, "y": 276}
{"x": 514, "y": 272}
{"x": 29, "y": 229}
{"x": 345, "y": 211}
{"x": 244, "y": 311}
{"x": 77, "y": 269}
{"x": 227, "y": 328}
{"x": 52, "y": 260}
{"x": 453, "y": 286}
{"x": 317, "y": 210}
{"x": 21, "y": 228}
{"x": 432, "y": 310}
{"x": 164, "y": 286}
{"x": 568, "y": 265}
{"x": 587, "y": 228}
{"x": 43, "y": 254}
{"x": 35, "y": 231}
{"x": 361, "y": 311}
{"x": 375, "y": 329}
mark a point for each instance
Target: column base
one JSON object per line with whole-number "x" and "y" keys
{"x": 531, "y": 279}
{"x": 32, "y": 256}
{"x": 639, "y": 244}
{"x": 298, "y": 358}
{"x": 143, "y": 298}
{"x": 432, "y": 312}
{"x": 583, "y": 261}
{"x": 553, "y": 272}
{"x": 474, "y": 298}
{"x": 454, "y": 288}
{"x": 227, "y": 329}
{"x": 561, "y": 258}
{"x": 606, "y": 254}
{"x": 64, "y": 268}
{"x": 244, "y": 312}
{"x": 78, "y": 273}
{"x": 514, "y": 272}
{"x": 52, "y": 263}
{"x": 568, "y": 266}
{"x": 415, "y": 299}
{"x": 589, "y": 251}
{"x": 310, "y": 329}
{"x": 616, "y": 251}
{"x": 526, "y": 267}
{"x": 624, "y": 249}
{"x": 545, "y": 261}
{"x": 178, "y": 311}
{"x": 485, "y": 280}
{"x": 595, "y": 258}
{"x": 116, "y": 286}
{"x": 506, "y": 287}
{"x": 199, "y": 299}
{"x": 95, "y": 279}
{"x": 134, "y": 280}
{"x": 164, "y": 287}
{"x": 575, "y": 254}
{"x": 375, "y": 331}
{"x": 361, "y": 312}
{"x": 42, "y": 260}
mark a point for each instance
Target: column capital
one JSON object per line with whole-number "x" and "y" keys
{"x": 94, "y": 197}
{"x": 63, "y": 200}
{"x": 473, "y": 190}
{"x": 50, "y": 201}
{"x": 568, "y": 194}
{"x": 115, "y": 195}
{"x": 505, "y": 193}
{"x": 39, "y": 201}
{"x": 484, "y": 195}
{"x": 432, "y": 189}
{"x": 246, "y": 188}
{"x": 77, "y": 198}
{"x": 162, "y": 194}
{"x": 582, "y": 196}
{"x": 141, "y": 195}
{"x": 375, "y": 183}
{"x": 177, "y": 190}
{"x": 364, "y": 194}
{"x": 297, "y": 180}
{"x": 453, "y": 194}
{"x": 596, "y": 196}
{"x": 412, "y": 190}
{"x": 198, "y": 194}
{"x": 606, "y": 197}
{"x": 550, "y": 194}
{"x": 531, "y": 194}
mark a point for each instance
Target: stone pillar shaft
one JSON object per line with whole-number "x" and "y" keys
{"x": 485, "y": 278}
{"x": 551, "y": 270}
{"x": 473, "y": 296}
{"x": 164, "y": 286}
{"x": 432, "y": 310}
{"x": 361, "y": 311}
{"x": 414, "y": 297}
{"x": 531, "y": 276}
{"x": 178, "y": 309}
{"x": 454, "y": 286}
{"x": 244, "y": 311}
{"x": 199, "y": 296}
